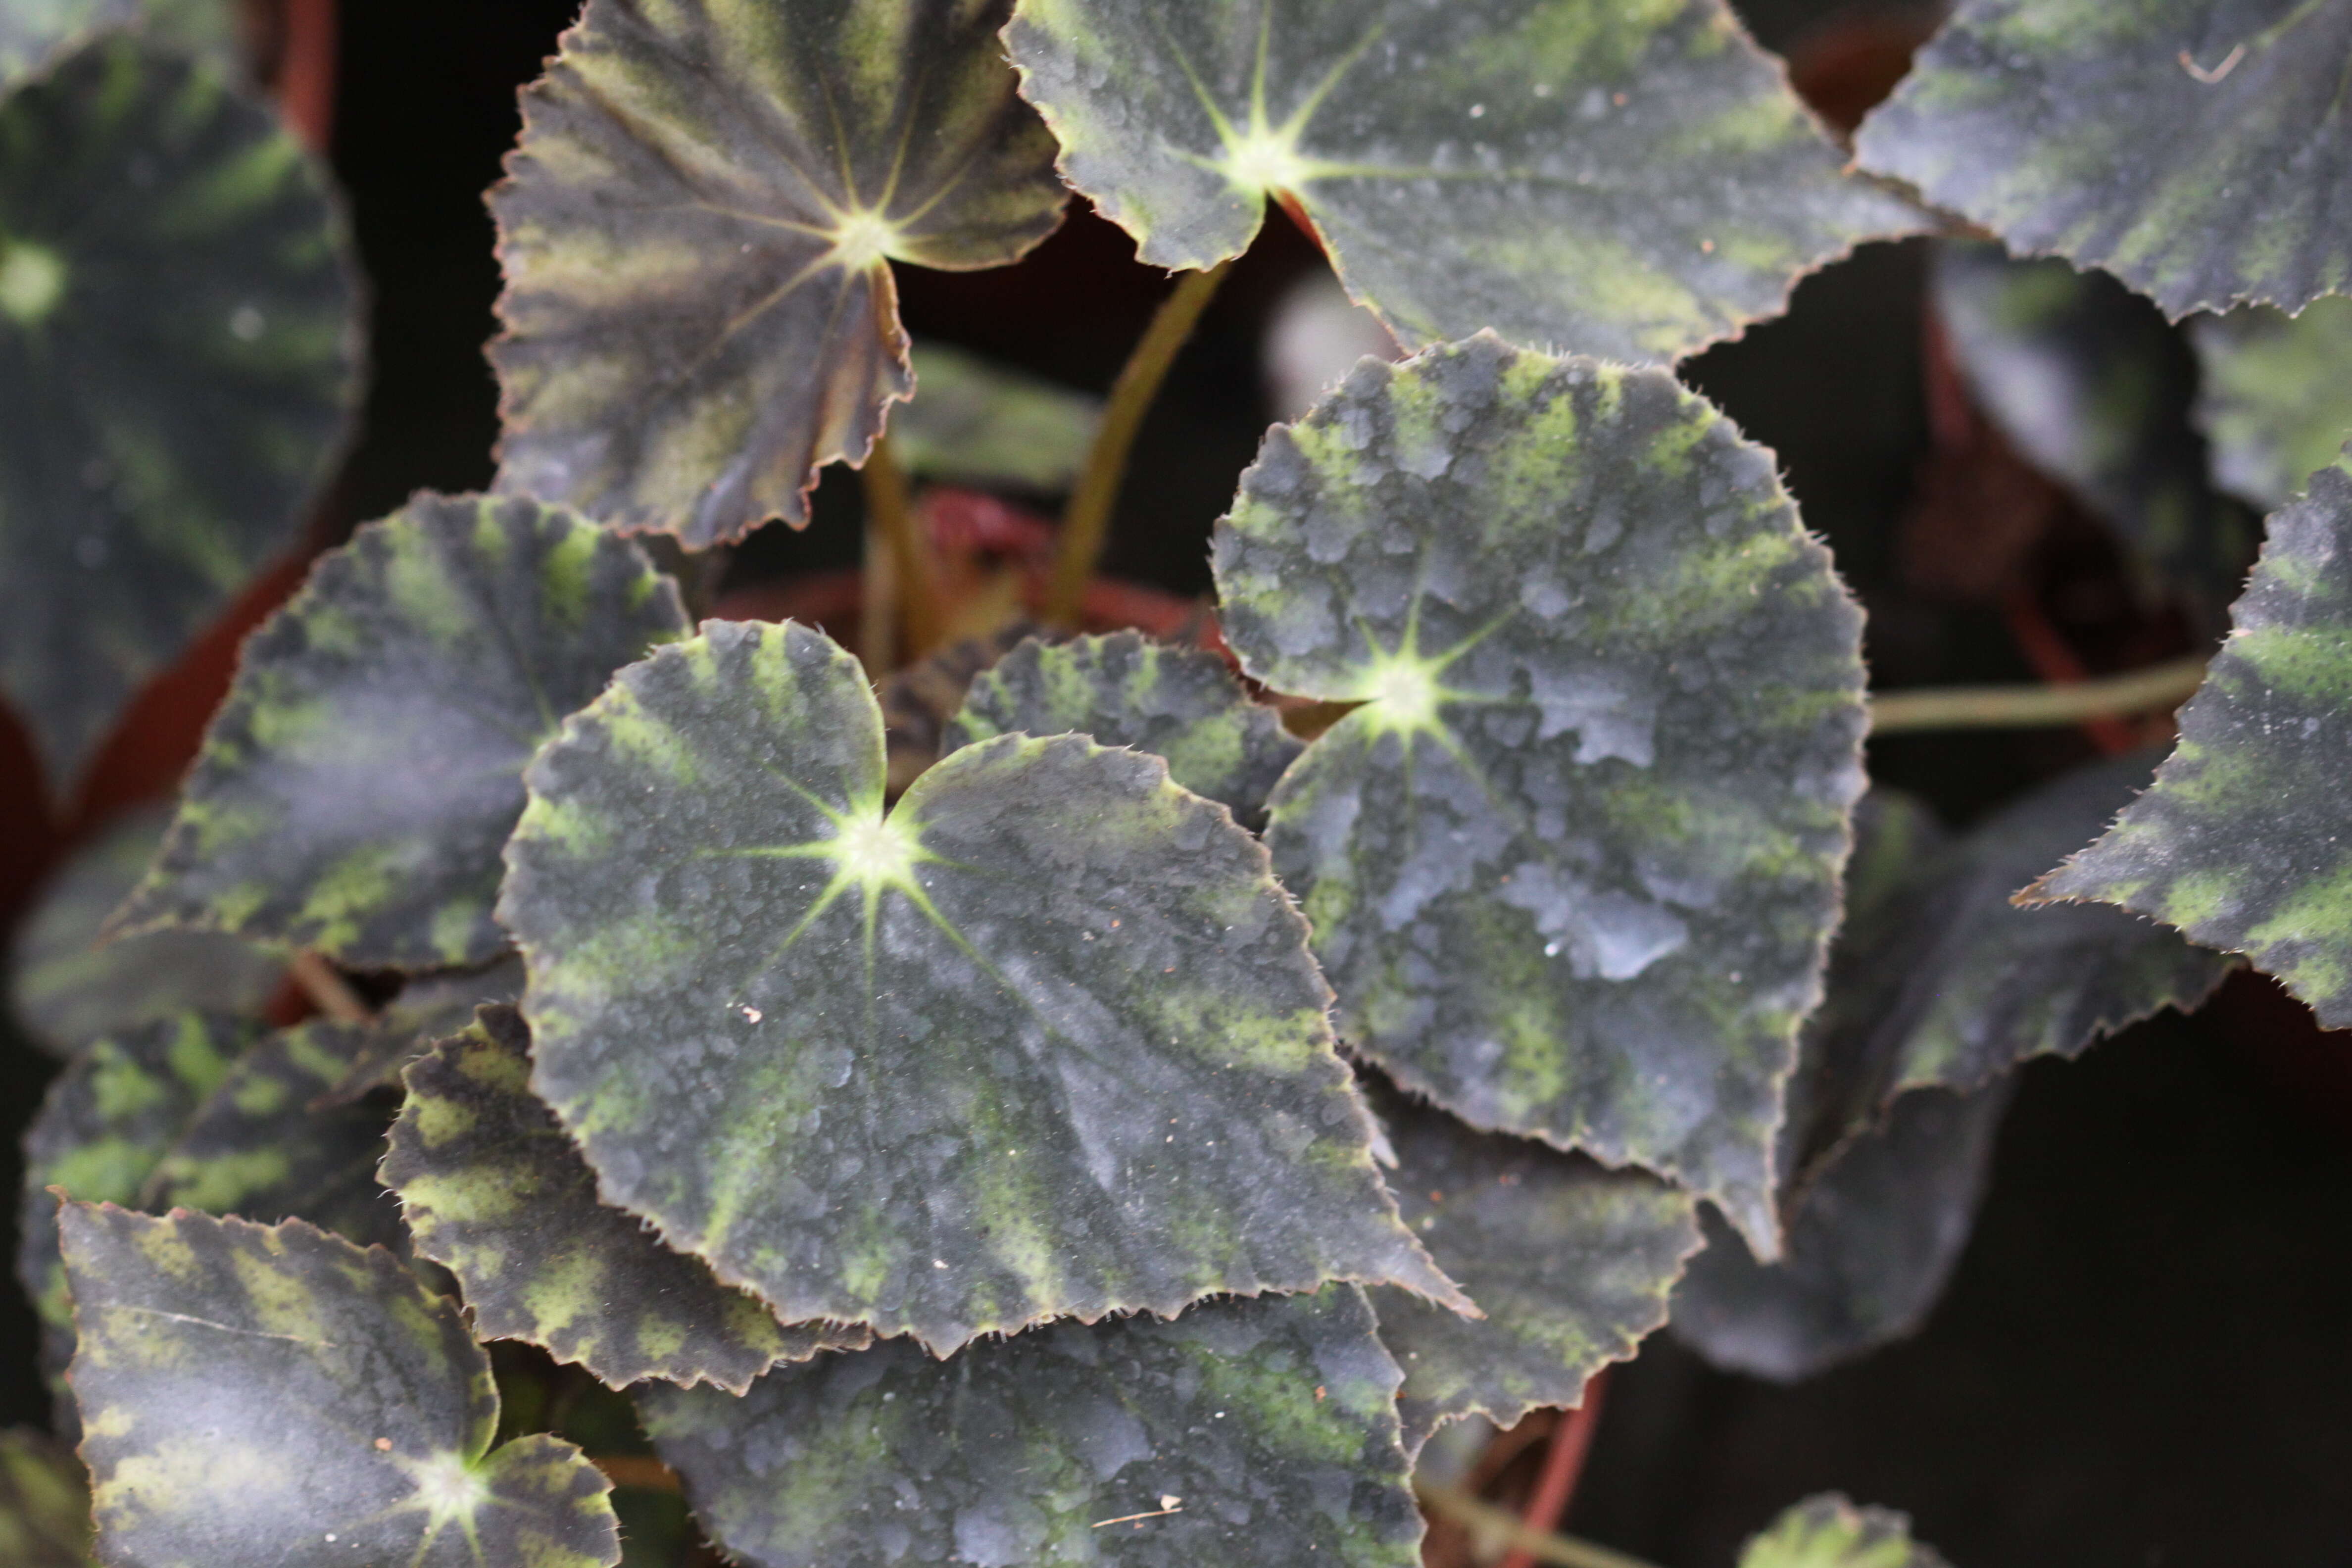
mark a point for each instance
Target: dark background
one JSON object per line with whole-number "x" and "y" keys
{"x": 2146, "y": 1358}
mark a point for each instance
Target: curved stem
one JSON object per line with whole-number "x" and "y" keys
{"x": 640, "y": 1470}
{"x": 329, "y": 992}
{"x": 1571, "y": 1441}
{"x": 900, "y": 590}
{"x": 2165, "y": 685}
{"x": 306, "y": 70}
{"x": 1086, "y": 524}
{"x": 1501, "y": 1525}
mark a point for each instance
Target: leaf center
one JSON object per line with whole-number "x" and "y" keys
{"x": 447, "y": 1488}
{"x": 874, "y": 851}
{"x": 1267, "y": 161}
{"x": 1403, "y": 693}
{"x": 32, "y": 281}
{"x": 863, "y": 239}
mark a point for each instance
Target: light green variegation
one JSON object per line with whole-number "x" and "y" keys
{"x": 1570, "y": 1263}
{"x": 2275, "y": 395}
{"x": 44, "y": 1503}
{"x": 1045, "y": 1040}
{"x": 1634, "y": 180}
{"x": 179, "y": 352}
{"x": 697, "y": 229}
{"x": 1180, "y": 704}
{"x": 257, "y": 1395}
{"x": 69, "y": 988}
{"x": 1572, "y": 863}
{"x": 426, "y": 1011}
{"x": 1244, "y": 1432}
{"x": 355, "y": 789}
{"x": 1828, "y": 1531}
{"x": 493, "y": 1190}
{"x": 2193, "y": 148}
{"x": 2241, "y": 841}
{"x": 975, "y": 422}
{"x": 922, "y": 700}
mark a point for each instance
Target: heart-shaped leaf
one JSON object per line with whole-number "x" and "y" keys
{"x": 2087, "y": 380}
{"x": 69, "y": 988}
{"x": 1045, "y": 1040}
{"x": 2275, "y": 395}
{"x": 179, "y": 350}
{"x": 1573, "y": 864}
{"x": 494, "y": 1190}
{"x": 2191, "y": 148}
{"x": 2240, "y": 842}
{"x": 697, "y": 230}
{"x": 255, "y": 1395}
{"x": 976, "y": 422}
{"x": 1570, "y": 1262}
{"x": 1828, "y": 1531}
{"x": 1629, "y": 181}
{"x": 1250, "y": 1434}
{"x": 1180, "y": 704}
{"x": 44, "y": 1503}
{"x": 355, "y": 788}
{"x": 426, "y": 1011}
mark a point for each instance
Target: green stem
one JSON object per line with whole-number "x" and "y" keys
{"x": 1086, "y": 525}
{"x": 1504, "y": 1527}
{"x": 900, "y": 591}
{"x": 2165, "y": 685}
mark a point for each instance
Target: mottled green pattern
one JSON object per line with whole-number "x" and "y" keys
{"x": 1630, "y": 180}
{"x": 422, "y": 1013}
{"x": 920, "y": 701}
{"x": 1249, "y": 1432}
{"x": 975, "y": 422}
{"x": 1573, "y": 864}
{"x": 1828, "y": 1531}
{"x": 2241, "y": 841}
{"x": 44, "y": 1503}
{"x": 1570, "y": 1262}
{"x": 2080, "y": 128}
{"x": 1045, "y": 1040}
{"x": 2088, "y": 381}
{"x": 69, "y": 989}
{"x": 697, "y": 230}
{"x": 493, "y": 1189}
{"x": 2274, "y": 398}
{"x": 108, "y": 1121}
{"x": 248, "y": 1392}
{"x": 179, "y": 349}
{"x": 1181, "y": 704}
{"x": 356, "y": 787}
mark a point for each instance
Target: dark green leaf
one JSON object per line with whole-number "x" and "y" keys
{"x": 2088, "y": 381}
{"x": 1631, "y": 181}
{"x": 1573, "y": 864}
{"x": 69, "y": 989}
{"x": 422, "y": 1013}
{"x": 44, "y": 1503}
{"x": 355, "y": 788}
{"x": 1045, "y": 1040}
{"x": 178, "y": 358}
{"x": 1827, "y": 1532}
{"x": 1181, "y": 704}
{"x": 1571, "y": 1262}
{"x": 494, "y": 1190}
{"x": 2192, "y": 149}
{"x": 2275, "y": 395}
{"x": 1243, "y": 1433}
{"x": 921, "y": 700}
{"x": 2241, "y": 841}
{"x": 697, "y": 233}
{"x": 261, "y": 1395}
{"x": 108, "y": 1121}
{"x": 975, "y": 422}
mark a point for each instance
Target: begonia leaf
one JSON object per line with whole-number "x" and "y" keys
{"x": 1828, "y": 1531}
{"x": 1244, "y": 1433}
{"x": 1572, "y": 864}
{"x": 422, "y": 1013}
{"x": 975, "y": 422}
{"x": 1180, "y": 704}
{"x": 921, "y": 700}
{"x": 493, "y": 1190}
{"x": 2275, "y": 395}
{"x": 1634, "y": 181}
{"x": 109, "y": 1119}
{"x": 34, "y": 33}
{"x": 2089, "y": 382}
{"x": 1045, "y": 1040}
{"x": 2240, "y": 841}
{"x": 1570, "y": 1262}
{"x": 179, "y": 350}
{"x": 266, "y": 1395}
{"x": 44, "y": 1503}
{"x": 355, "y": 788}
{"x": 68, "y": 987}
{"x": 2190, "y": 148}
{"x": 698, "y": 231}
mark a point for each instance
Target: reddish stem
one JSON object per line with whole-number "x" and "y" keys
{"x": 306, "y": 70}
{"x": 1571, "y": 1440}
{"x": 2057, "y": 664}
